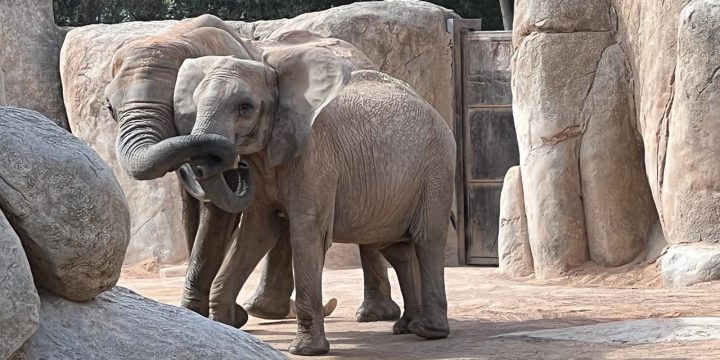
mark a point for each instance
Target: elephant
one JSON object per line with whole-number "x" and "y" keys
{"x": 355, "y": 157}
{"x": 140, "y": 100}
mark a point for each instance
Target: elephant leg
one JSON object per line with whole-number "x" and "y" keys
{"x": 208, "y": 230}
{"x": 429, "y": 237}
{"x": 253, "y": 240}
{"x": 310, "y": 233}
{"x": 377, "y": 304}
{"x": 190, "y": 218}
{"x": 214, "y": 231}
{"x": 271, "y": 299}
{"x": 402, "y": 257}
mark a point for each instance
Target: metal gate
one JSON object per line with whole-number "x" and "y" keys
{"x": 485, "y": 133}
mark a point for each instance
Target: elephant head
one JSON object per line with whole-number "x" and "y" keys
{"x": 263, "y": 106}
{"x": 140, "y": 99}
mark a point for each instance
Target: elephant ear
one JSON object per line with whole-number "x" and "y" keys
{"x": 308, "y": 79}
{"x": 191, "y": 73}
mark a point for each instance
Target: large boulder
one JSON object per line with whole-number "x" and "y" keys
{"x": 406, "y": 39}
{"x": 120, "y": 324}
{"x": 689, "y": 264}
{"x": 29, "y": 56}
{"x": 19, "y": 300}
{"x": 65, "y": 204}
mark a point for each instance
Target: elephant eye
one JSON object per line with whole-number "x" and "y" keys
{"x": 245, "y": 107}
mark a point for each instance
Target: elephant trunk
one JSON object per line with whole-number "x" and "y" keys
{"x": 147, "y": 149}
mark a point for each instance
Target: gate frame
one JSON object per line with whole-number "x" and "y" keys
{"x": 458, "y": 28}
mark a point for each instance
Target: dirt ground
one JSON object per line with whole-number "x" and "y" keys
{"x": 482, "y": 304}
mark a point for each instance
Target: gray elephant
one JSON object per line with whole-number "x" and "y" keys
{"x": 140, "y": 99}
{"x": 357, "y": 158}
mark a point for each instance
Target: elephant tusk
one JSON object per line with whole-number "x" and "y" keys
{"x": 190, "y": 184}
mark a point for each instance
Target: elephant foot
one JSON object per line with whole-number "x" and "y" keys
{"x": 234, "y": 316}
{"x": 199, "y": 305}
{"x": 377, "y": 310}
{"x": 308, "y": 344}
{"x": 401, "y": 326}
{"x": 267, "y": 308}
{"x": 430, "y": 328}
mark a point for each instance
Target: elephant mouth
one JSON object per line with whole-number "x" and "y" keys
{"x": 215, "y": 189}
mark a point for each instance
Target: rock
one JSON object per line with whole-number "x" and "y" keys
{"x": 547, "y": 109}
{"x": 19, "y": 300}
{"x": 120, "y": 324}
{"x": 29, "y": 56}
{"x": 514, "y": 255}
{"x": 691, "y": 188}
{"x": 618, "y": 205}
{"x": 64, "y": 203}
{"x": 405, "y": 38}
{"x": 559, "y": 16}
{"x": 155, "y": 207}
{"x": 689, "y": 264}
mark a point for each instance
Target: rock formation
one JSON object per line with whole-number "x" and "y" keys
{"x": 29, "y": 56}
{"x": 622, "y": 136}
{"x": 406, "y": 39}
{"x": 67, "y": 227}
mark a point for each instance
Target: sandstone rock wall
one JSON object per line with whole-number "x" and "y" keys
{"x": 405, "y": 38}
{"x": 637, "y": 85}
{"x": 29, "y": 51}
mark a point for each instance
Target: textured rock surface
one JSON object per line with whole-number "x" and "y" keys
{"x": 29, "y": 56}
{"x": 559, "y": 16}
{"x": 404, "y": 38}
{"x": 120, "y": 324}
{"x": 19, "y": 300}
{"x": 514, "y": 253}
{"x": 618, "y": 206}
{"x": 691, "y": 187}
{"x": 65, "y": 204}
{"x": 85, "y": 68}
{"x": 547, "y": 108}
{"x": 688, "y": 264}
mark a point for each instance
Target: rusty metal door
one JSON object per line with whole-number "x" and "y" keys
{"x": 484, "y": 128}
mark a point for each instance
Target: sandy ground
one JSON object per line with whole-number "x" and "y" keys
{"x": 483, "y": 304}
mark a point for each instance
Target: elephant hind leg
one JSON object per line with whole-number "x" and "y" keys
{"x": 402, "y": 258}
{"x": 429, "y": 237}
{"x": 377, "y": 304}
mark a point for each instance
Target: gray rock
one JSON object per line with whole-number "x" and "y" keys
{"x": 65, "y": 204}
{"x": 29, "y": 57}
{"x": 515, "y": 258}
{"x": 19, "y": 300}
{"x": 688, "y": 264}
{"x": 560, "y": 16}
{"x": 691, "y": 190}
{"x": 120, "y": 324}
{"x": 618, "y": 205}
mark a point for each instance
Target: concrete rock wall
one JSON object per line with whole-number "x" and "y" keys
{"x": 616, "y": 107}
{"x": 29, "y": 51}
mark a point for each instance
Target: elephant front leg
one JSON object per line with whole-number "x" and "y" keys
{"x": 377, "y": 304}
{"x": 253, "y": 240}
{"x": 271, "y": 299}
{"x": 214, "y": 231}
{"x": 309, "y": 235}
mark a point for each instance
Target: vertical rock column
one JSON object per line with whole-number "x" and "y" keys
{"x": 690, "y": 191}
{"x": 29, "y": 52}
{"x": 585, "y": 191}
{"x": 513, "y": 244}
